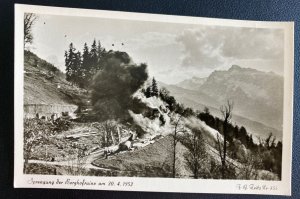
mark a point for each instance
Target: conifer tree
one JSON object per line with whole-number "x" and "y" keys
{"x": 73, "y": 65}
{"x": 243, "y": 135}
{"x": 154, "y": 88}
{"x": 100, "y": 55}
{"x": 67, "y": 64}
{"x": 78, "y": 75}
{"x": 86, "y": 62}
{"x": 70, "y": 58}
{"x": 148, "y": 92}
{"x": 93, "y": 60}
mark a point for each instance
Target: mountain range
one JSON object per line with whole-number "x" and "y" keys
{"x": 192, "y": 84}
{"x": 257, "y": 97}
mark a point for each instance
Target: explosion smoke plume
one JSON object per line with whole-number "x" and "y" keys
{"x": 114, "y": 85}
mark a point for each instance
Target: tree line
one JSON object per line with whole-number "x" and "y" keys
{"x": 268, "y": 152}
{"x": 82, "y": 66}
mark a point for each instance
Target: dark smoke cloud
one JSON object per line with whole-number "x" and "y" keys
{"x": 114, "y": 85}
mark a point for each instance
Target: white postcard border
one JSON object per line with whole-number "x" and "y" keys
{"x": 282, "y": 187}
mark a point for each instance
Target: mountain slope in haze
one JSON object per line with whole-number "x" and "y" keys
{"x": 186, "y": 95}
{"x": 192, "y": 84}
{"x": 258, "y": 129}
{"x": 199, "y": 101}
{"x": 257, "y": 95}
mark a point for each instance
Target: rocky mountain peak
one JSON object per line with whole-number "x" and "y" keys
{"x": 235, "y": 67}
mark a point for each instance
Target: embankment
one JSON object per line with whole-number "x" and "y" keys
{"x": 31, "y": 110}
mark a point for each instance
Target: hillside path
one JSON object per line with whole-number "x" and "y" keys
{"x": 87, "y": 163}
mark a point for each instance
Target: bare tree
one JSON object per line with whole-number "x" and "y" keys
{"x": 107, "y": 129}
{"x": 270, "y": 141}
{"x": 178, "y": 128}
{"x": 226, "y": 111}
{"x": 196, "y": 154}
{"x": 29, "y": 20}
{"x": 250, "y": 165}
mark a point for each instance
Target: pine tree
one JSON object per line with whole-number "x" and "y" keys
{"x": 100, "y": 55}
{"x": 67, "y": 65}
{"x": 206, "y": 110}
{"x": 73, "y": 65}
{"x": 93, "y": 60}
{"x": 86, "y": 62}
{"x": 236, "y": 132}
{"x": 94, "y": 50}
{"x": 77, "y": 69}
{"x": 250, "y": 144}
{"x": 148, "y": 92}
{"x": 243, "y": 135}
{"x": 70, "y": 58}
{"x": 154, "y": 88}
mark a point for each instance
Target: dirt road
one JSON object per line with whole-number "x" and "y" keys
{"x": 86, "y": 161}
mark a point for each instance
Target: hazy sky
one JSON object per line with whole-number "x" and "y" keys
{"x": 173, "y": 52}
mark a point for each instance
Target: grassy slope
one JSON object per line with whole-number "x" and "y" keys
{"x": 41, "y": 83}
{"x": 154, "y": 160}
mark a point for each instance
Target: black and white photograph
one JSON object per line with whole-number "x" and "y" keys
{"x": 150, "y": 97}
